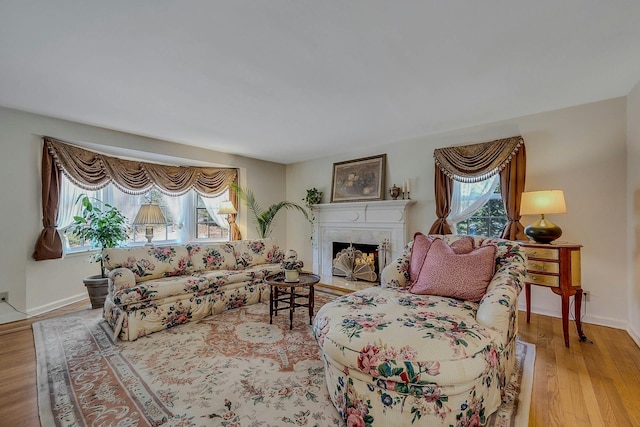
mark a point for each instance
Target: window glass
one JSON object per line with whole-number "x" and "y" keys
{"x": 489, "y": 220}
{"x": 180, "y": 212}
{"x": 210, "y": 225}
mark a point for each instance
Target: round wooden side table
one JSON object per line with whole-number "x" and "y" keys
{"x": 282, "y": 291}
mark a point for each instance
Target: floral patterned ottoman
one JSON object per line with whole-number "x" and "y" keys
{"x": 394, "y": 358}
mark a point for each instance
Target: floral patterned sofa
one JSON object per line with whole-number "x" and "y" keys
{"x": 395, "y": 358}
{"x": 154, "y": 288}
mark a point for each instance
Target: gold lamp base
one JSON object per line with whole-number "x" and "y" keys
{"x": 543, "y": 231}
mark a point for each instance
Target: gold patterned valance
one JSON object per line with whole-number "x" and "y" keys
{"x": 477, "y": 162}
{"x": 91, "y": 171}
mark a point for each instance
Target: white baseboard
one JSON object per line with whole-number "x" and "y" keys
{"x": 635, "y": 335}
{"x": 588, "y": 318}
{"x": 55, "y": 304}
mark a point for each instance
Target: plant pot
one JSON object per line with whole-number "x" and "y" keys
{"x": 291, "y": 276}
{"x": 97, "y": 287}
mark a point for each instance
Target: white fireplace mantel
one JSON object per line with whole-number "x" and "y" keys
{"x": 358, "y": 222}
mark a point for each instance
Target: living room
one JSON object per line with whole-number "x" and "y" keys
{"x": 588, "y": 148}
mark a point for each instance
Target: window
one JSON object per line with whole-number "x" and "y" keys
{"x": 210, "y": 225}
{"x": 488, "y": 220}
{"x": 189, "y": 217}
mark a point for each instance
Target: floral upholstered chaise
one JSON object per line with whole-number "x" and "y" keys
{"x": 398, "y": 355}
{"x": 154, "y": 288}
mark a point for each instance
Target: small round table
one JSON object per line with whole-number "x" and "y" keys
{"x": 282, "y": 291}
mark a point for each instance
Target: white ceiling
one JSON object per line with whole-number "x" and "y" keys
{"x": 290, "y": 80}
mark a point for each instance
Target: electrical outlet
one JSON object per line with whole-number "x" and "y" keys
{"x": 4, "y": 296}
{"x": 586, "y": 295}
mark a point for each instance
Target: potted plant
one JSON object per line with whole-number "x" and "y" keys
{"x": 313, "y": 197}
{"x": 291, "y": 269}
{"x": 264, "y": 218}
{"x": 104, "y": 226}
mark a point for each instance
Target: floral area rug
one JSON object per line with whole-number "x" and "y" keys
{"x": 232, "y": 369}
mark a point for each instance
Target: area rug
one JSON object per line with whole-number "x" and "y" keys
{"x": 232, "y": 369}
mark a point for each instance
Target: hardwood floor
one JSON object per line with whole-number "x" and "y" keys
{"x": 588, "y": 384}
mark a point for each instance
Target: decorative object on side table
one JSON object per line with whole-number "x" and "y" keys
{"x": 106, "y": 227}
{"x": 541, "y": 203}
{"x": 359, "y": 179}
{"x": 149, "y": 215}
{"x": 292, "y": 267}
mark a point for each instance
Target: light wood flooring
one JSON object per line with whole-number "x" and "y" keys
{"x": 586, "y": 385}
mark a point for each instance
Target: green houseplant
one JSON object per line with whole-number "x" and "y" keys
{"x": 265, "y": 217}
{"x": 104, "y": 226}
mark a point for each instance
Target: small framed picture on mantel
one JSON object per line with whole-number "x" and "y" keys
{"x": 359, "y": 180}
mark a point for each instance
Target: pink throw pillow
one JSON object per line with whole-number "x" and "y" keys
{"x": 461, "y": 276}
{"x": 421, "y": 245}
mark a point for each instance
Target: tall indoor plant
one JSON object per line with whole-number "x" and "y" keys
{"x": 104, "y": 226}
{"x": 265, "y": 217}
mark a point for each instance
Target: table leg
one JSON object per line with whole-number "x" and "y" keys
{"x": 565, "y": 318}
{"x": 578, "y": 302}
{"x": 527, "y": 295}
{"x": 311, "y": 298}
{"x": 292, "y": 307}
{"x": 272, "y": 290}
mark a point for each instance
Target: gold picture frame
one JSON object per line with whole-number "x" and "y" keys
{"x": 359, "y": 180}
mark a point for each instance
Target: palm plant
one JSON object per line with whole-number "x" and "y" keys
{"x": 265, "y": 217}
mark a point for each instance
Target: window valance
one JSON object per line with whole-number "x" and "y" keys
{"x": 92, "y": 171}
{"x": 477, "y": 162}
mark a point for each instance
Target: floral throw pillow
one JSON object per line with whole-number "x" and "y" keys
{"x": 461, "y": 276}
{"x": 421, "y": 245}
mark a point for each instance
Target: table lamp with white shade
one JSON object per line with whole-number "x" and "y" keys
{"x": 148, "y": 215}
{"x": 541, "y": 203}
{"x": 227, "y": 208}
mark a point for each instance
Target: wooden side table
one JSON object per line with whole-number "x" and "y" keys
{"x": 556, "y": 266}
{"x": 282, "y": 291}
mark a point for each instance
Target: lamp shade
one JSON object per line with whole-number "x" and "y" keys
{"x": 543, "y": 202}
{"x": 226, "y": 208}
{"x": 149, "y": 213}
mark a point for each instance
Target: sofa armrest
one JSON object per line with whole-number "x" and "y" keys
{"x": 121, "y": 278}
{"x": 498, "y": 309}
{"x": 396, "y": 274}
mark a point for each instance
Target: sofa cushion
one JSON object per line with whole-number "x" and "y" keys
{"x": 461, "y": 276}
{"x": 211, "y": 256}
{"x": 394, "y": 335}
{"x": 253, "y": 252}
{"x": 421, "y": 245}
{"x": 148, "y": 262}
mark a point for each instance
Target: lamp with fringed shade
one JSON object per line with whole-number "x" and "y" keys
{"x": 148, "y": 215}
{"x": 541, "y": 203}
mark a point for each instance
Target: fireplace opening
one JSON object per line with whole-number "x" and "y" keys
{"x": 355, "y": 261}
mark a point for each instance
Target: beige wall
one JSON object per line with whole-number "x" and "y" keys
{"x": 39, "y": 286}
{"x": 580, "y": 150}
{"x": 633, "y": 202}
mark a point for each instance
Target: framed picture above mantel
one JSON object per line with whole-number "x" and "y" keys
{"x": 359, "y": 180}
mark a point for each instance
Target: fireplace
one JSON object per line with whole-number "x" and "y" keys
{"x": 379, "y": 224}
{"x": 356, "y": 261}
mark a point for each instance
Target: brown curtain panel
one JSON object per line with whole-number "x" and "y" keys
{"x": 49, "y": 243}
{"x": 478, "y": 162}
{"x": 92, "y": 171}
{"x": 512, "y": 180}
{"x": 443, "y": 190}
